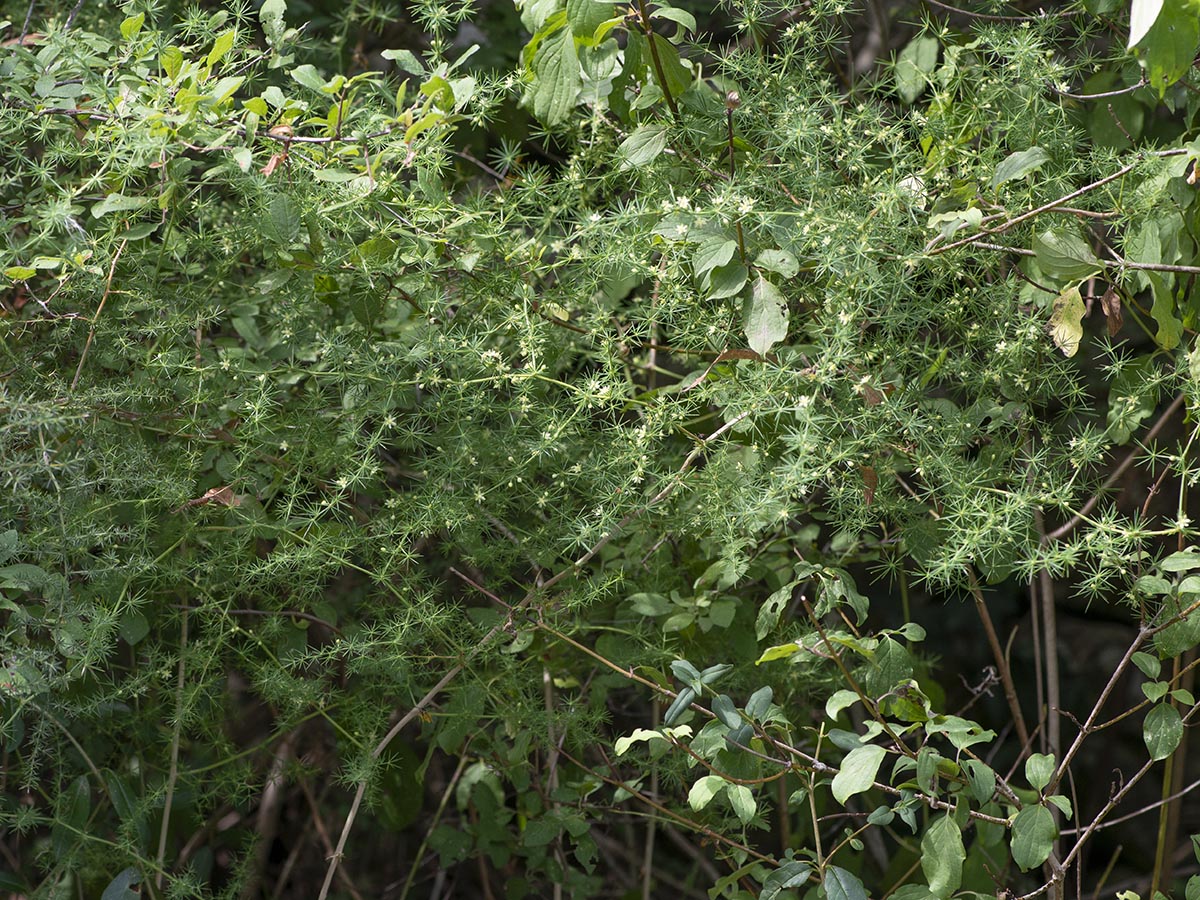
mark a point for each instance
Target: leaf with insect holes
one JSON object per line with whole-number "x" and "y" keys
{"x": 766, "y": 317}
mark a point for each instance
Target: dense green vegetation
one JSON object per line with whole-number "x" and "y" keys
{"x": 599, "y": 451}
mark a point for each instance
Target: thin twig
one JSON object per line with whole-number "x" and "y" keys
{"x": 173, "y": 772}
{"x": 1117, "y": 474}
{"x": 1010, "y": 690}
{"x": 92, "y": 329}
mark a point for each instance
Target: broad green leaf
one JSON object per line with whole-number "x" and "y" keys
{"x": 171, "y": 60}
{"x": 712, "y": 254}
{"x": 1162, "y": 731}
{"x": 857, "y": 772}
{"x": 132, "y": 25}
{"x": 644, "y": 145}
{"x": 1039, "y": 769}
{"x": 790, "y": 874}
{"x": 1142, "y": 15}
{"x": 1154, "y": 690}
{"x": 1065, "y": 255}
{"x": 585, "y": 15}
{"x": 19, "y": 273}
{"x": 74, "y": 806}
{"x": 780, "y": 651}
{"x": 650, "y": 604}
{"x": 308, "y": 76}
{"x": 770, "y": 611}
{"x": 838, "y": 701}
{"x": 270, "y": 16}
{"x": 725, "y": 281}
{"x": 942, "y": 855}
{"x": 1066, "y": 321}
{"x": 678, "y": 76}
{"x": 916, "y": 62}
{"x": 1183, "y": 561}
{"x": 1063, "y": 804}
{"x": 981, "y": 779}
{"x": 1019, "y": 164}
{"x": 118, "y": 203}
{"x": 556, "y": 80}
{"x": 221, "y": 47}
{"x": 622, "y": 744}
{"x": 704, "y": 790}
{"x": 683, "y": 18}
{"x": 759, "y": 703}
{"x": 1170, "y": 328}
{"x": 724, "y": 710}
{"x": 766, "y": 317}
{"x": 679, "y": 706}
{"x": 778, "y": 261}
{"x": 121, "y": 887}
{"x": 742, "y": 800}
{"x": 406, "y": 60}
{"x": 1151, "y": 666}
{"x": 842, "y": 885}
{"x": 1033, "y": 834}
{"x": 1170, "y": 44}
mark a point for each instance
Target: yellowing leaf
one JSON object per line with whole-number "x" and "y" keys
{"x": 1066, "y": 322}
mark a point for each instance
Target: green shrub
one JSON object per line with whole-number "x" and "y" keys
{"x": 515, "y": 521}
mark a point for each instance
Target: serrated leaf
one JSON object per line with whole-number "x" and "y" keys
{"x": 1019, "y": 164}
{"x": 766, "y": 318}
{"x": 942, "y": 855}
{"x": 857, "y": 772}
{"x": 1162, "y": 731}
{"x": 643, "y": 146}
{"x": 1066, "y": 321}
{"x": 1033, "y": 834}
{"x": 704, "y": 790}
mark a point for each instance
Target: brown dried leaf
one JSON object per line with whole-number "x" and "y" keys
{"x": 222, "y": 496}
{"x": 1110, "y": 303}
{"x": 871, "y": 480}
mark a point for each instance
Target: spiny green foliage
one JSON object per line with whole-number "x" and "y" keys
{"x": 304, "y": 416}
